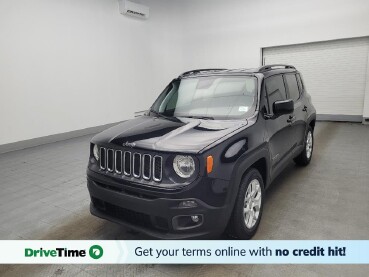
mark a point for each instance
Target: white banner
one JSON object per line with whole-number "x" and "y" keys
{"x": 183, "y": 252}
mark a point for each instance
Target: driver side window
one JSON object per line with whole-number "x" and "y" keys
{"x": 275, "y": 90}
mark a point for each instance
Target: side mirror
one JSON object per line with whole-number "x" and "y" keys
{"x": 283, "y": 107}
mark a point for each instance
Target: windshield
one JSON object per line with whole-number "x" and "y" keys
{"x": 212, "y": 97}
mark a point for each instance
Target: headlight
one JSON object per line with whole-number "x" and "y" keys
{"x": 96, "y": 152}
{"x": 184, "y": 166}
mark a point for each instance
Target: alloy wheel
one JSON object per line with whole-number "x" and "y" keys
{"x": 309, "y": 144}
{"x": 252, "y": 204}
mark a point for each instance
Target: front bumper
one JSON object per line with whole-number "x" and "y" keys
{"x": 156, "y": 216}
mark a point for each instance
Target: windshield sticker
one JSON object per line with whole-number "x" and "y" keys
{"x": 243, "y": 109}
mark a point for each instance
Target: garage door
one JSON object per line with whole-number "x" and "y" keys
{"x": 334, "y": 72}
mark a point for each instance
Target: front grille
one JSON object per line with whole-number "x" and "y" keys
{"x": 132, "y": 164}
{"x": 133, "y": 217}
{"x": 126, "y": 190}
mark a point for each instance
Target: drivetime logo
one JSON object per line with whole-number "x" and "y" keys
{"x": 95, "y": 252}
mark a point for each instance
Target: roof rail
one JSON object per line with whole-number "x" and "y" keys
{"x": 200, "y": 70}
{"x": 271, "y": 66}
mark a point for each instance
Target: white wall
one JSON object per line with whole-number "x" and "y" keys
{"x": 71, "y": 64}
{"x": 334, "y": 72}
{"x": 166, "y": 44}
{"x": 366, "y": 97}
{"x": 231, "y": 33}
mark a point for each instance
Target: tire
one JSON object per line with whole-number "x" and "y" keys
{"x": 241, "y": 225}
{"x": 305, "y": 156}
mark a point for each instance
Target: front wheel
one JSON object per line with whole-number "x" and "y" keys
{"x": 248, "y": 208}
{"x": 305, "y": 157}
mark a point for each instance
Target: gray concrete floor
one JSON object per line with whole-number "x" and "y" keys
{"x": 44, "y": 196}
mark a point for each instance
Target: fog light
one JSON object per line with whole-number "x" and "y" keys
{"x": 188, "y": 204}
{"x": 195, "y": 218}
{"x": 183, "y": 222}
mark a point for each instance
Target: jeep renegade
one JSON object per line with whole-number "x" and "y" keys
{"x": 198, "y": 162}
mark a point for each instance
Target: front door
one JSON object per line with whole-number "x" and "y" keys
{"x": 280, "y": 133}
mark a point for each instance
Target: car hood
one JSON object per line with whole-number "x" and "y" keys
{"x": 171, "y": 135}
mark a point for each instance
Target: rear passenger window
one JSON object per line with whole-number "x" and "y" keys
{"x": 275, "y": 89}
{"x": 299, "y": 81}
{"x": 293, "y": 89}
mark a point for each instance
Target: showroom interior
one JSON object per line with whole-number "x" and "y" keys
{"x": 72, "y": 68}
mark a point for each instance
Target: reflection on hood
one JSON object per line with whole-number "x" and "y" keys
{"x": 181, "y": 135}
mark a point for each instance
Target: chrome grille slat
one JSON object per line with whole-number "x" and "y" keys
{"x": 118, "y": 162}
{"x": 110, "y": 160}
{"x": 157, "y": 166}
{"x": 127, "y": 161}
{"x": 102, "y": 157}
{"x": 146, "y": 164}
{"x": 134, "y": 164}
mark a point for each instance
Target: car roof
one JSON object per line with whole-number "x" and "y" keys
{"x": 267, "y": 70}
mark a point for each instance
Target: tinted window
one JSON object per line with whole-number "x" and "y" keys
{"x": 293, "y": 89}
{"x": 299, "y": 81}
{"x": 275, "y": 89}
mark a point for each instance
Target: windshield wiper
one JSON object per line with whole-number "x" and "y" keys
{"x": 157, "y": 113}
{"x": 189, "y": 116}
{"x": 200, "y": 117}
{"x": 172, "y": 118}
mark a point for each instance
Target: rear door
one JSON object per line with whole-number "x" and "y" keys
{"x": 279, "y": 130}
{"x": 298, "y": 118}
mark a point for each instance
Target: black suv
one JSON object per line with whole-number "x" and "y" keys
{"x": 198, "y": 162}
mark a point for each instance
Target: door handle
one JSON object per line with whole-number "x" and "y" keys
{"x": 305, "y": 109}
{"x": 291, "y": 119}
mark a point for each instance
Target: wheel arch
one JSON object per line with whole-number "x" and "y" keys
{"x": 311, "y": 121}
{"x": 261, "y": 166}
{"x": 259, "y": 162}
{"x": 258, "y": 159}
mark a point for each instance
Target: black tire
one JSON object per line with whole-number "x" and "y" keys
{"x": 304, "y": 158}
{"x": 237, "y": 226}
